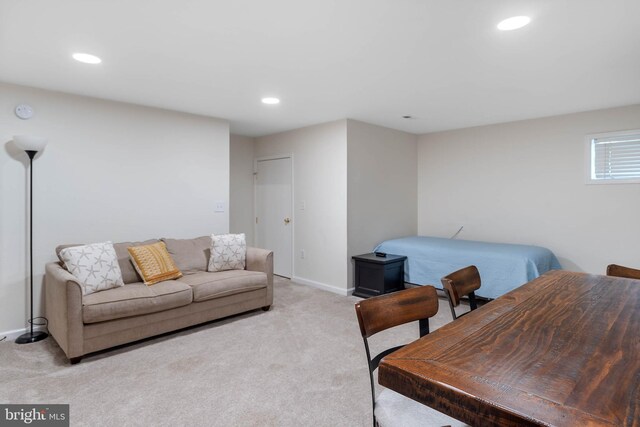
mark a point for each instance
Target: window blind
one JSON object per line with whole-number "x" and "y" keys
{"x": 616, "y": 157}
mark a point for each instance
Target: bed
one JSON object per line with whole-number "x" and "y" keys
{"x": 502, "y": 267}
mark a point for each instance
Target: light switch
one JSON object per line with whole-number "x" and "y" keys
{"x": 220, "y": 206}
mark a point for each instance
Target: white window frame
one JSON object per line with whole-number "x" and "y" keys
{"x": 589, "y": 157}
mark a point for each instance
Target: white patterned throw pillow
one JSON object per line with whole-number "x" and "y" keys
{"x": 95, "y": 266}
{"x": 228, "y": 252}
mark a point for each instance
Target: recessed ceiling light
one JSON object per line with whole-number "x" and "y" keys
{"x": 513, "y": 23}
{"x": 270, "y": 101}
{"x": 86, "y": 58}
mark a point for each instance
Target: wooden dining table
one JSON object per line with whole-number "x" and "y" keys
{"x": 561, "y": 350}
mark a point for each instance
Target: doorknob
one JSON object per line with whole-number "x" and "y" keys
{"x": 287, "y": 220}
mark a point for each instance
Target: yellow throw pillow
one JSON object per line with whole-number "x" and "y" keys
{"x": 153, "y": 263}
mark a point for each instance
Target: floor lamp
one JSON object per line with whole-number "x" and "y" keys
{"x": 31, "y": 145}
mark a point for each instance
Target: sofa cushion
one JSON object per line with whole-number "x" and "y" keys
{"x": 134, "y": 299}
{"x": 223, "y": 283}
{"x": 129, "y": 273}
{"x": 153, "y": 263}
{"x": 59, "y": 249}
{"x": 228, "y": 252}
{"x": 190, "y": 255}
{"x": 95, "y": 266}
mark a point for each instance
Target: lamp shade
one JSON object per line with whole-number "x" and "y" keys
{"x": 29, "y": 143}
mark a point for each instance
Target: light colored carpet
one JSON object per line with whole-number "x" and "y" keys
{"x": 300, "y": 364}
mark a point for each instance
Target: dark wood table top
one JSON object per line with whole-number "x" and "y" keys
{"x": 563, "y": 350}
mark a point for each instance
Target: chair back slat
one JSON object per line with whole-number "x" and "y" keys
{"x": 621, "y": 271}
{"x": 461, "y": 283}
{"x": 395, "y": 309}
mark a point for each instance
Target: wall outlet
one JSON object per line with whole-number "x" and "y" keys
{"x": 302, "y": 254}
{"x": 219, "y": 206}
{"x": 303, "y": 205}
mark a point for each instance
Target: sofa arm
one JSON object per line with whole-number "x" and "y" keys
{"x": 262, "y": 260}
{"x": 63, "y": 306}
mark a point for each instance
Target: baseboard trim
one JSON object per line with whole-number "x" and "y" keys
{"x": 12, "y": 335}
{"x": 322, "y": 286}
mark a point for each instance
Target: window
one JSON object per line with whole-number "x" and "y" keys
{"x": 614, "y": 157}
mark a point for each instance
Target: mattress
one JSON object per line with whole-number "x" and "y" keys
{"x": 503, "y": 267}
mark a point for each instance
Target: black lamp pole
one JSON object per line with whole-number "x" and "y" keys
{"x": 38, "y": 335}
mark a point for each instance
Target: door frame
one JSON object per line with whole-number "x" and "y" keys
{"x": 293, "y": 202}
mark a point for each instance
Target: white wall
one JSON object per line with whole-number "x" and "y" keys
{"x": 320, "y": 180}
{"x": 111, "y": 171}
{"x": 382, "y": 186}
{"x": 524, "y": 182}
{"x": 241, "y": 210}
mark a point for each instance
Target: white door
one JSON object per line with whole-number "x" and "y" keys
{"x": 274, "y": 226}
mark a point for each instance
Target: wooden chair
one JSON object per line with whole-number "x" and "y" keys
{"x": 386, "y": 311}
{"x": 461, "y": 283}
{"x": 620, "y": 271}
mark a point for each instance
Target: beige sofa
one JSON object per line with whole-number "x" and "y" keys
{"x": 85, "y": 324}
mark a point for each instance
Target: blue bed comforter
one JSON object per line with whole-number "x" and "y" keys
{"x": 502, "y": 267}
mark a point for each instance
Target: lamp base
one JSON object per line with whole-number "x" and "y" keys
{"x": 30, "y": 337}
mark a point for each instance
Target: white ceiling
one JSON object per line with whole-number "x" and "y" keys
{"x": 441, "y": 61}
